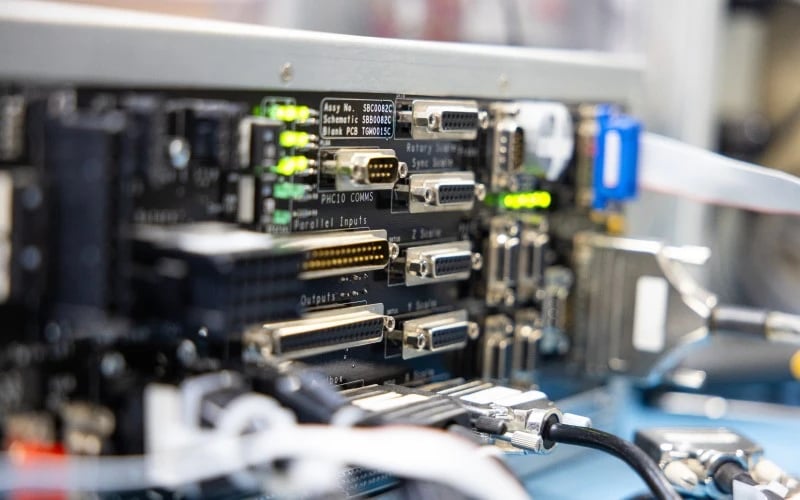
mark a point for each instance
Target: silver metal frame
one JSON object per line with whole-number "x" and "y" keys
{"x": 75, "y": 44}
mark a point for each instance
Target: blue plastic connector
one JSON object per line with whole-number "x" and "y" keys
{"x": 616, "y": 161}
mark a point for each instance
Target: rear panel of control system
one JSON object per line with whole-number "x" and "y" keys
{"x": 378, "y": 237}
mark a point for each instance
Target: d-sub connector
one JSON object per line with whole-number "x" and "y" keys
{"x": 364, "y": 169}
{"x": 346, "y": 252}
{"x": 443, "y": 192}
{"x": 437, "y": 333}
{"x": 457, "y": 120}
{"x": 443, "y": 262}
{"x": 320, "y": 332}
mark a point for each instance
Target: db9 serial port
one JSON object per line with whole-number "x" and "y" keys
{"x": 364, "y": 169}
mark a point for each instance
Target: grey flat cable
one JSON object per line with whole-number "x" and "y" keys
{"x": 676, "y": 168}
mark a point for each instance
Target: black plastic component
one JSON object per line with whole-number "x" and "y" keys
{"x": 89, "y": 206}
{"x": 444, "y": 336}
{"x": 456, "y": 193}
{"x": 209, "y": 127}
{"x": 28, "y": 238}
{"x": 265, "y": 148}
{"x": 728, "y": 472}
{"x": 459, "y": 120}
{"x": 445, "y": 266}
{"x": 223, "y": 292}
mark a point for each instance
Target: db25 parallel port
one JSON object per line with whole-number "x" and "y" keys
{"x": 437, "y": 333}
{"x": 364, "y": 169}
{"x": 442, "y": 262}
{"x": 443, "y": 192}
{"x": 320, "y": 332}
{"x": 457, "y": 120}
{"x": 334, "y": 254}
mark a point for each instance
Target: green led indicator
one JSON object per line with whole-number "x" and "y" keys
{"x": 522, "y": 201}
{"x": 294, "y": 139}
{"x": 290, "y": 165}
{"x": 288, "y": 191}
{"x": 289, "y": 112}
{"x": 281, "y": 217}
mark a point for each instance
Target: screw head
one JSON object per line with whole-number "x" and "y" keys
{"x": 477, "y": 261}
{"x": 473, "y": 330}
{"x": 417, "y": 340}
{"x": 394, "y": 250}
{"x": 424, "y": 268}
{"x": 434, "y": 121}
{"x": 480, "y": 191}
{"x": 187, "y": 352}
{"x": 287, "y": 72}
{"x": 402, "y": 170}
{"x": 179, "y": 153}
{"x": 389, "y": 323}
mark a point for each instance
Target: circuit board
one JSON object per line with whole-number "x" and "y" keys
{"x": 155, "y": 234}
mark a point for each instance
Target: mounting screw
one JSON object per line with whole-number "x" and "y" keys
{"x": 179, "y": 153}
{"x": 416, "y": 340}
{"x": 509, "y": 298}
{"x": 186, "y": 353}
{"x": 477, "y": 261}
{"x": 389, "y": 323}
{"x": 287, "y": 72}
{"x": 434, "y": 122}
{"x": 402, "y": 170}
{"x": 428, "y": 195}
{"x": 483, "y": 119}
{"x": 473, "y": 330}
{"x": 394, "y": 250}
{"x": 480, "y": 191}
{"x": 112, "y": 364}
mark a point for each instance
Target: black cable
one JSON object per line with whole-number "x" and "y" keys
{"x": 626, "y": 451}
{"x": 729, "y": 472}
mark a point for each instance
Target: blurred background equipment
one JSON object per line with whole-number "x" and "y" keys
{"x": 239, "y": 260}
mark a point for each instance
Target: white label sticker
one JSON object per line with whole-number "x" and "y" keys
{"x": 611, "y": 159}
{"x": 650, "y": 314}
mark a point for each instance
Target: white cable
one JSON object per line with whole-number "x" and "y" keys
{"x": 256, "y": 409}
{"x": 412, "y": 452}
{"x": 676, "y": 168}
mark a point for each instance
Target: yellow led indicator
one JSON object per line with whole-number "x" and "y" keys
{"x": 530, "y": 200}
{"x": 289, "y": 113}
{"x": 294, "y": 139}
{"x": 290, "y": 165}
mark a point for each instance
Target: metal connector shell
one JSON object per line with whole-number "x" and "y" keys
{"x": 443, "y": 262}
{"x": 365, "y": 169}
{"x": 345, "y": 252}
{"x": 453, "y": 191}
{"x": 320, "y": 332}
{"x": 437, "y": 333}
{"x": 457, "y": 120}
